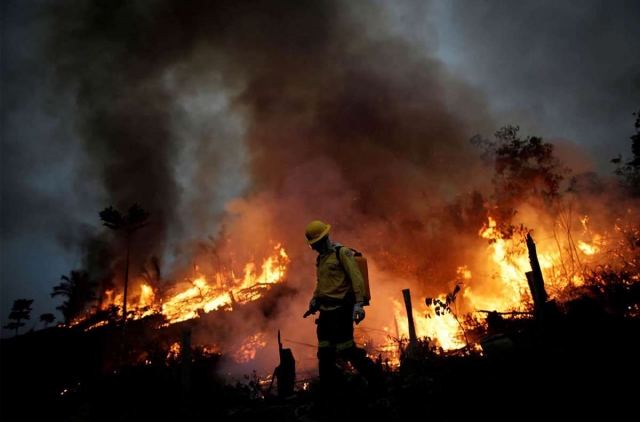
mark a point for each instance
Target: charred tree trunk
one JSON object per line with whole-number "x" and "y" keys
{"x": 413, "y": 339}
{"x": 535, "y": 279}
{"x": 545, "y": 311}
{"x": 123, "y": 341}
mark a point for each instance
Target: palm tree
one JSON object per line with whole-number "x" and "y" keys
{"x": 79, "y": 290}
{"x": 47, "y": 319}
{"x": 152, "y": 274}
{"x": 135, "y": 219}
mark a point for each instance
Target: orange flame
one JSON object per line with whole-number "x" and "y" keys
{"x": 505, "y": 290}
{"x": 250, "y": 345}
{"x": 206, "y": 294}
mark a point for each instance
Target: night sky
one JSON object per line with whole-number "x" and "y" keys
{"x": 204, "y": 112}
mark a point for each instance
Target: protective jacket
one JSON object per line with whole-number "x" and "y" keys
{"x": 338, "y": 283}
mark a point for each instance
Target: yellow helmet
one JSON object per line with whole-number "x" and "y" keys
{"x": 315, "y": 231}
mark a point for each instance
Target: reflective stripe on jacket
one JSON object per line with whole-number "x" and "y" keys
{"x": 336, "y": 281}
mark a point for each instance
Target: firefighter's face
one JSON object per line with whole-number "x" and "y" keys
{"x": 321, "y": 245}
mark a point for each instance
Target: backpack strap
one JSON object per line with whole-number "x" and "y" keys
{"x": 338, "y": 247}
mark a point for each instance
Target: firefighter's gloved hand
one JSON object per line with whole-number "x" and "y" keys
{"x": 313, "y": 308}
{"x": 358, "y": 312}
{"x": 313, "y": 305}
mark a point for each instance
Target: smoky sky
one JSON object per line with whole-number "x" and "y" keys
{"x": 355, "y": 112}
{"x": 560, "y": 69}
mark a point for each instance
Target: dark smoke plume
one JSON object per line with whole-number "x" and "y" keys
{"x": 338, "y": 116}
{"x": 244, "y": 120}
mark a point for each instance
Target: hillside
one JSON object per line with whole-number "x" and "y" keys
{"x": 570, "y": 364}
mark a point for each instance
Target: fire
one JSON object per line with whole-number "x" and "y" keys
{"x": 206, "y": 293}
{"x": 205, "y": 296}
{"x": 200, "y": 297}
{"x": 506, "y": 290}
{"x": 510, "y": 281}
{"x": 443, "y": 329}
{"x": 174, "y": 351}
{"x": 146, "y": 296}
{"x": 509, "y": 289}
{"x": 250, "y": 345}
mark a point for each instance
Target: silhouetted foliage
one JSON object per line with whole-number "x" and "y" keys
{"x": 79, "y": 290}
{"x": 98, "y": 257}
{"x": 443, "y": 307}
{"x": 128, "y": 224}
{"x": 151, "y": 273}
{"x": 21, "y": 311}
{"x": 617, "y": 290}
{"x": 135, "y": 219}
{"x": 525, "y": 170}
{"x": 76, "y": 385}
{"x": 47, "y": 319}
{"x": 628, "y": 172}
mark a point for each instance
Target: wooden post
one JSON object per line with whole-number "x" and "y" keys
{"x": 285, "y": 373}
{"x": 535, "y": 279}
{"x": 533, "y": 289}
{"x": 413, "y": 340}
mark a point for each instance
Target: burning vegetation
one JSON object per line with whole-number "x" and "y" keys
{"x": 233, "y": 125}
{"x": 200, "y": 293}
{"x": 575, "y": 258}
{"x": 582, "y": 252}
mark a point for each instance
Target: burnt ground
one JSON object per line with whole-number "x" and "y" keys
{"x": 572, "y": 366}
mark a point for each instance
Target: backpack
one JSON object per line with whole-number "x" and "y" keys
{"x": 364, "y": 269}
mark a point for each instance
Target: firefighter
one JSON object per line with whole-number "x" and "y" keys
{"x": 339, "y": 297}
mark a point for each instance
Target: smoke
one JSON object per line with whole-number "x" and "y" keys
{"x": 560, "y": 70}
{"x": 342, "y": 118}
{"x": 240, "y": 122}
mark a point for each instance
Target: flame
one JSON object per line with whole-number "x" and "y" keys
{"x": 249, "y": 347}
{"x": 497, "y": 284}
{"x": 205, "y": 293}
{"x": 200, "y": 297}
{"x": 174, "y": 351}
{"x": 506, "y": 290}
{"x": 205, "y": 296}
{"x": 147, "y": 296}
{"x": 509, "y": 285}
{"x": 444, "y": 329}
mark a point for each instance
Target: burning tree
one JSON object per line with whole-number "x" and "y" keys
{"x": 128, "y": 224}
{"x": 524, "y": 170}
{"x": 152, "y": 275}
{"x": 582, "y": 251}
